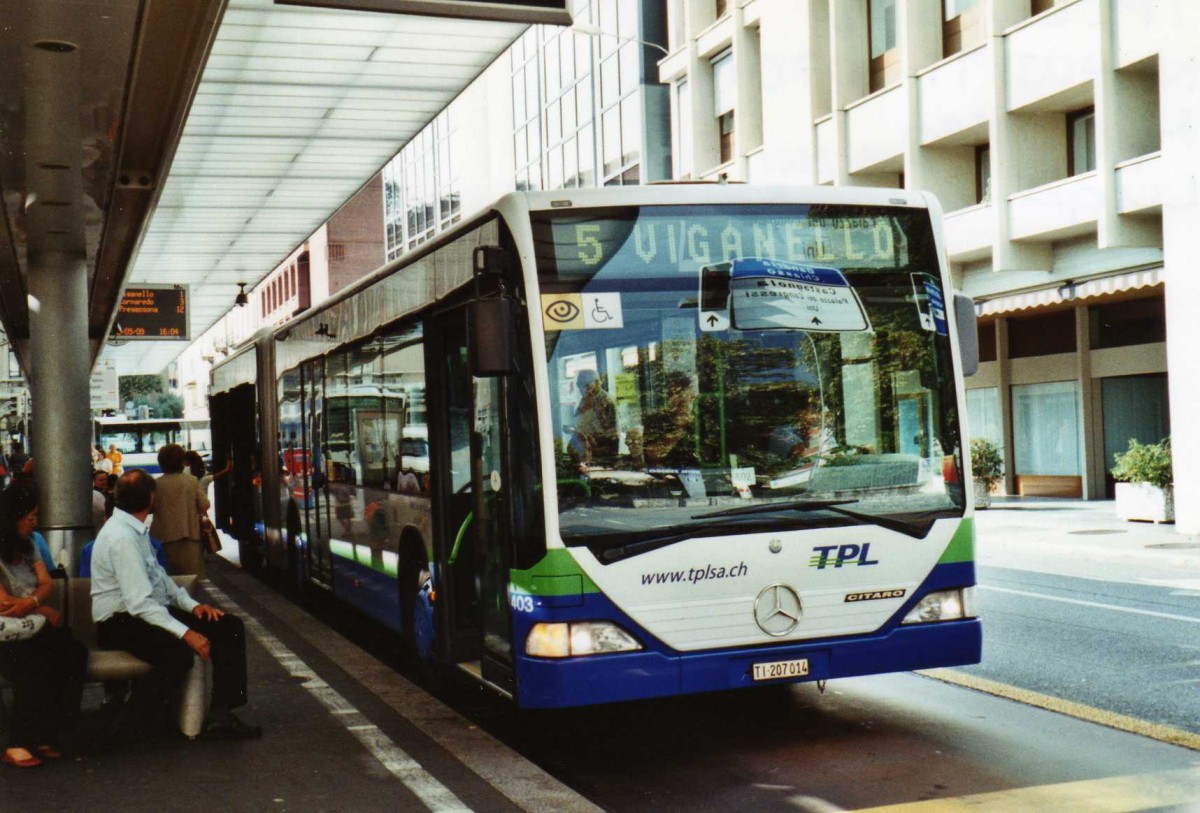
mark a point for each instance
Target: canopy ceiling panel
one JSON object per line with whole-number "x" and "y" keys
{"x": 296, "y": 109}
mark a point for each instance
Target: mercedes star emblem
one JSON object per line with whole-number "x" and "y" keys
{"x": 777, "y": 610}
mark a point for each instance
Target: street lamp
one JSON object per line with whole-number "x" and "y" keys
{"x": 593, "y": 30}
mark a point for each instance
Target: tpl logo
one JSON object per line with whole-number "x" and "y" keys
{"x": 824, "y": 556}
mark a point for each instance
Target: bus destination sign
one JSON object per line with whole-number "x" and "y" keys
{"x": 152, "y": 313}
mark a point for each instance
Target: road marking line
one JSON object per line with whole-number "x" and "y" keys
{"x": 436, "y": 796}
{"x": 1115, "y": 794}
{"x": 1091, "y": 714}
{"x": 1188, "y": 618}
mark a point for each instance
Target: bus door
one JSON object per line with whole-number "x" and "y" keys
{"x": 472, "y": 545}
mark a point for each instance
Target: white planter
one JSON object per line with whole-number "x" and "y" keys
{"x": 983, "y": 494}
{"x": 1142, "y": 501}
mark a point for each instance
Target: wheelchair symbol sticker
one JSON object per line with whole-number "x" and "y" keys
{"x": 582, "y": 311}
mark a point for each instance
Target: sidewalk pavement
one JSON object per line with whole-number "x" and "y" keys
{"x": 1074, "y": 537}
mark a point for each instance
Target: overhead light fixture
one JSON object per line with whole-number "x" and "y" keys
{"x": 241, "y": 299}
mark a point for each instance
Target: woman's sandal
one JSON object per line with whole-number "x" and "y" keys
{"x": 18, "y": 762}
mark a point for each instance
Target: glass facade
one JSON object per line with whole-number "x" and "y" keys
{"x": 422, "y": 190}
{"x": 577, "y": 101}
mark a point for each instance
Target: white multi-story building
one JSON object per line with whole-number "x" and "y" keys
{"x": 1058, "y": 138}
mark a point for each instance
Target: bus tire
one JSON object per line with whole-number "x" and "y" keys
{"x": 295, "y": 578}
{"x": 415, "y": 585}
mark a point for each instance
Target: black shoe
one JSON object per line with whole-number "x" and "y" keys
{"x": 232, "y": 729}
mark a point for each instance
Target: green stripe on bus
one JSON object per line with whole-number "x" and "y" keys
{"x": 962, "y": 544}
{"x": 557, "y": 574}
{"x": 385, "y": 562}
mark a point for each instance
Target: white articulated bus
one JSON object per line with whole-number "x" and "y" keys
{"x": 138, "y": 440}
{"x": 669, "y": 439}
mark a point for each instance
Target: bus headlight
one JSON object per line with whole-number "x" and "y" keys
{"x": 570, "y": 640}
{"x": 944, "y": 605}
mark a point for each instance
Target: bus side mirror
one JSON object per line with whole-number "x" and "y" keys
{"x": 968, "y": 334}
{"x": 490, "y": 330}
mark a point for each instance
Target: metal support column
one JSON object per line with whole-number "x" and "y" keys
{"x": 58, "y": 313}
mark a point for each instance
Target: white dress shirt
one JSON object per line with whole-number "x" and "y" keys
{"x": 127, "y": 578}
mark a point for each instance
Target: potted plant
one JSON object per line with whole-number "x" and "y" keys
{"x": 987, "y": 467}
{"x": 1143, "y": 474}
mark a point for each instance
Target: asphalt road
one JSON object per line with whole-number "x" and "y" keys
{"x": 871, "y": 742}
{"x": 1132, "y": 649}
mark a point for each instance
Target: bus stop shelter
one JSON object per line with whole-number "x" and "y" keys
{"x": 196, "y": 143}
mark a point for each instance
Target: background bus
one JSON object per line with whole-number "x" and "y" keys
{"x": 139, "y": 440}
{"x": 677, "y": 439}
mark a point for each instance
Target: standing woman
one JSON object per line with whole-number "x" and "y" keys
{"x": 47, "y": 669}
{"x": 178, "y": 504}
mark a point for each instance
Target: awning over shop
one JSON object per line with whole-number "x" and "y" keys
{"x": 1070, "y": 292}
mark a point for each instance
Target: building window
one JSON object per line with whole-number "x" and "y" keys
{"x": 984, "y": 418}
{"x": 987, "y": 341}
{"x": 885, "y": 58}
{"x": 962, "y": 25}
{"x": 1081, "y": 147}
{"x": 683, "y": 131}
{"x": 675, "y": 24}
{"x": 1046, "y": 429}
{"x": 337, "y": 251}
{"x": 1121, "y": 324}
{"x": 1135, "y": 407}
{"x": 724, "y": 97}
{"x": 722, "y": 8}
{"x": 1038, "y": 6}
{"x": 983, "y": 173}
{"x": 1042, "y": 335}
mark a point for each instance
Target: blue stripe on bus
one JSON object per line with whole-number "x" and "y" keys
{"x": 369, "y": 590}
{"x": 659, "y": 671}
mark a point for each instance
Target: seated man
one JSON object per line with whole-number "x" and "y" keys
{"x": 138, "y": 608}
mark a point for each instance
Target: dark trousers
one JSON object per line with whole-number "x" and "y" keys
{"x": 170, "y": 658}
{"x": 47, "y": 673}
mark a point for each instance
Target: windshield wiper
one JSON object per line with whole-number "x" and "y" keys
{"x": 917, "y": 530}
{"x": 793, "y": 505}
{"x": 615, "y": 547}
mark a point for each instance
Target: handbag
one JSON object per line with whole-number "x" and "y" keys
{"x": 20, "y": 629}
{"x": 14, "y": 628}
{"x": 209, "y": 535}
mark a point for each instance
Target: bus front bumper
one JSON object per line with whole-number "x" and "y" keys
{"x": 557, "y": 683}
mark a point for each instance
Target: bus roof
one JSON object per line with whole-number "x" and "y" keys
{"x": 692, "y": 194}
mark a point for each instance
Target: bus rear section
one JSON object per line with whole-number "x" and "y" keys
{"x": 755, "y": 423}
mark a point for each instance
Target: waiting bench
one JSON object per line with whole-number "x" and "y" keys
{"x": 115, "y": 665}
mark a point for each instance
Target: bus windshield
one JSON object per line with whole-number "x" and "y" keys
{"x": 722, "y": 369}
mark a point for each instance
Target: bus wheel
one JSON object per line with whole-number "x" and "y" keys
{"x": 293, "y": 581}
{"x": 416, "y": 617}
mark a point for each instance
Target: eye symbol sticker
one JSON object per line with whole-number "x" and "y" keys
{"x": 562, "y": 310}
